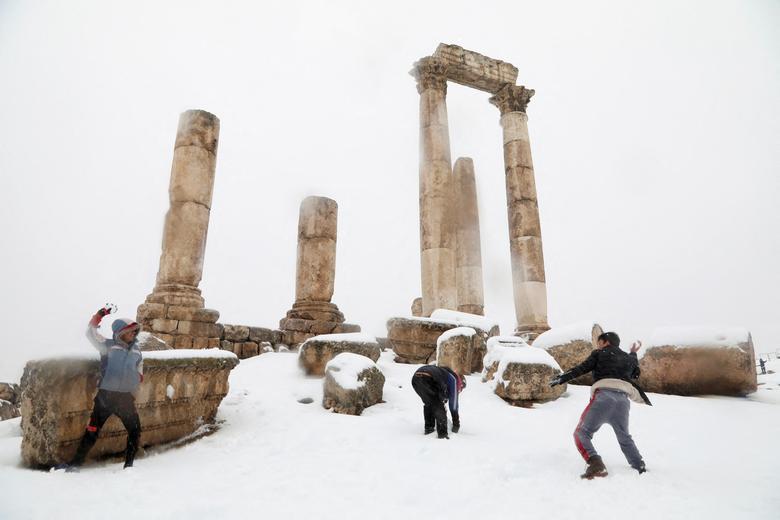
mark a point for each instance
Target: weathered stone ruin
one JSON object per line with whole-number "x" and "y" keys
{"x": 570, "y": 346}
{"x": 695, "y": 361}
{"x": 449, "y": 241}
{"x": 175, "y": 310}
{"x": 352, "y": 384}
{"x": 520, "y": 373}
{"x": 180, "y": 393}
{"x": 415, "y": 339}
{"x": 246, "y": 342}
{"x": 313, "y": 313}
{"x": 462, "y": 349}
{"x": 316, "y": 352}
{"x": 10, "y": 400}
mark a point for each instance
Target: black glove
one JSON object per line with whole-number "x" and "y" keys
{"x": 555, "y": 381}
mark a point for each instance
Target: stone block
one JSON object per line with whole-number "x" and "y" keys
{"x": 250, "y": 349}
{"x": 58, "y": 398}
{"x": 521, "y": 374}
{"x": 200, "y": 343}
{"x": 165, "y": 338}
{"x": 8, "y": 410}
{"x": 455, "y": 349}
{"x": 352, "y": 383}
{"x": 182, "y": 341}
{"x": 296, "y": 324}
{"x": 235, "y": 332}
{"x": 226, "y": 345}
{"x": 315, "y": 353}
{"x": 10, "y": 392}
{"x": 150, "y": 311}
{"x": 200, "y": 328}
{"x": 571, "y": 345}
{"x": 164, "y": 325}
{"x": 414, "y": 339}
{"x": 260, "y": 334}
{"x": 475, "y": 70}
{"x": 149, "y": 342}
{"x": 238, "y": 349}
{"x": 214, "y": 343}
{"x": 177, "y": 312}
{"x": 714, "y": 364}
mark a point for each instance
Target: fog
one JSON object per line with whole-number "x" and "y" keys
{"x": 654, "y": 131}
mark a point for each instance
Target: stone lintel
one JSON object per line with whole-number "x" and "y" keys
{"x": 474, "y": 70}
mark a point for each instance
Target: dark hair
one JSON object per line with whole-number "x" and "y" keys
{"x": 611, "y": 337}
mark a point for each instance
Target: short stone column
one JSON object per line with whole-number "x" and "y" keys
{"x": 469, "y": 252}
{"x": 175, "y": 310}
{"x": 313, "y": 313}
{"x": 437, "y": 223}
{"x": 525, "y": 236}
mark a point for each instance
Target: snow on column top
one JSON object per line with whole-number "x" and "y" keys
{"x": 524, "y": 354}
{"x": 709, "y": 337}
{"x": 353, "y": 337}
{"x": 506, "y": 341}
{"x": 457, "y": 331}
{"x": 464, "y": 319}
{"x": 345, "y": 367}
{"x": 580, "y": 331}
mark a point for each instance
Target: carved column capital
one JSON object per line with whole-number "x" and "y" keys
{"x": 430, "y": 72}
{"x": 512, "y": 98}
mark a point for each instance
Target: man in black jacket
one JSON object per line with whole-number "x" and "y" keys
{"x": 436, "y": 386}
{"x": 613, "y": 372}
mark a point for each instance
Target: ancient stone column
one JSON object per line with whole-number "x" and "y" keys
{"x": 468, "y": 268}
{"x": 315, "y": 274}
{"x": 525, "y": 236}
{"x": 175, "y": 307}
{"x": 437, "y": 225}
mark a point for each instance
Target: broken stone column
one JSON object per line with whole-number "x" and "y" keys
{"x": 469, "y": 253}
{"x": 175, "y": 311}
{"x": 525, "y": 235}
{"x": 313, "y": 313}
{"x": 437, "y": 223}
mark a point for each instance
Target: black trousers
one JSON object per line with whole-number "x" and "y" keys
{"x": 433, "y": 405}
{"x": 121, "y": 404}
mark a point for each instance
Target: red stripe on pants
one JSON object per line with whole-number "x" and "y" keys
{"x": 577, "y": 442}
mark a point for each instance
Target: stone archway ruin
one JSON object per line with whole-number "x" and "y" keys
{"x": 451, "y": 267}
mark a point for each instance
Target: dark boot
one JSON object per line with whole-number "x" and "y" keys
{"x": 641, "y": 468}
{"x": 595, "y": 468}
{"x": 429, "y": 429}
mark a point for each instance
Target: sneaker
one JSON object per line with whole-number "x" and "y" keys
{"x": 455, "y": 428}
{"x": 443, "y": 436}
{"x": 641, "y": 468}
{"x": 595, "y": 468}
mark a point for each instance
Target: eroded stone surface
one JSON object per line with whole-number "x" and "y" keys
{"x": 176, "y": 397}
{"x": 315, "y": 353}
{"x": 520, "y": 373}
{"x": 355, "y": 397}
{"x": 571, "y": 353}
{"x": 475, "y": 70}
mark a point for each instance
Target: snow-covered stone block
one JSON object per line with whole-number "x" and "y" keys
{"x": 181, "y": 391}
{"x": 520, "y": 374}
{"x": 461, "y": 349}
{"x": 352, "y": 383}
{"x": 571, "y": 345}
{"x": 414, "y": 339}
{"x": 699, "y": 361}
{"x": 316, "y": 352}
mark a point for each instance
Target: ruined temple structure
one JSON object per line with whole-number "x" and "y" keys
{"x": 175, "y": 310}
{"x": 313, "y": 313}
{"x": 449, "y": 223}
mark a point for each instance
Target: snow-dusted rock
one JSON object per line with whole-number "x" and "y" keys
{"x": 699, "y": 361}
{"x": 8, "y": 410}
{"x": 460, "y": 349}
{"x": 316, "y": 352}
{"x": 10, "y": 392}
{"x": 149, "y": 342}
{"x": 571, "y": 345}
{"x": 352, "y": 383}
{"x": 415, "y": 339}
{"x": 520, "y": 374}
{"x": 58, "y": 395}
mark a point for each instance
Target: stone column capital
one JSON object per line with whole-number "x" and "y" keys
{"x": 512, "y": 98}
{"x": 430, "y": 72}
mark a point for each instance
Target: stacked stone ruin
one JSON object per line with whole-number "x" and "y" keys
{"x": 449, "y": 224}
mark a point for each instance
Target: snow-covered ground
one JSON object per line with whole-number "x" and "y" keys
{"x": 273, "y": 457}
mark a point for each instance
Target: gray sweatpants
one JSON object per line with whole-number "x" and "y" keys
{"x": 611, "y": 407}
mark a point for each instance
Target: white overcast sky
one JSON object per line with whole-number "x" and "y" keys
{"x": 655, "y": 131}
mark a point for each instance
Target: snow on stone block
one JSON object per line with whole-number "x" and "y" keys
{"x": 465, "y": 319}
{"x": 352, "y": 383}
{"x": 58, "y": 394}
{"x": 699, "y": 361}
{"x": 571, "y": 345}
{"x": 455, "y": 349}
{"x": 414, "y": 339}
{"x": 520, "y": 374}
{"x": 316, "y": 352}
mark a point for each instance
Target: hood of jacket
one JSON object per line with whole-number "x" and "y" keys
{"x": 122, "y": 325}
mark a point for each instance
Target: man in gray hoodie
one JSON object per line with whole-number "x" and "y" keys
{"x": 121, "y": 371}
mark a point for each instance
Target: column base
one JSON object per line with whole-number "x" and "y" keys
{"x": 176, "y": 315}
{"x": 479, "y": 310}
{"x": 308, "y": 319}
{"x": 176, "y": 294}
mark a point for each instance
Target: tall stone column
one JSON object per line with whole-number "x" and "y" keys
{"x": 469, "y": 252}
{"x": 437, "y": 225}
{"x": 525, "y": 235}
{"x": 315, "y": 275}
{"x": 175, "y": 309}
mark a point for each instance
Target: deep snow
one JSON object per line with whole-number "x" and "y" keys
{"x": 708, "y": 458}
